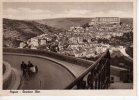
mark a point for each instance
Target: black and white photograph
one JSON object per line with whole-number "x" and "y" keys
{"x": 68, "y": 46}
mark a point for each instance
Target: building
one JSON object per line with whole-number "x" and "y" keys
{"x": 34, "y": 41}
{"x": 100, "y": 20}
{"x": 80, "y": 39}
{"x": 22, "y": 45}
{"x": 73, "y": 40}
{"x": 43, "y": 42}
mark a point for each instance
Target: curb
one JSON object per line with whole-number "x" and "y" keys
{"x": 16, "y": 80}
{"x": 11, "y": 77}
{"x": 7, "y": 75}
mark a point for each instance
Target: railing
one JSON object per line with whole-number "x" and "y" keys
{"x": 97, "y": 76}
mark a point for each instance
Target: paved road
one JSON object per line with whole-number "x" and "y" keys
{"x": 120, "y": 85}
{"x": 50, "y": 76}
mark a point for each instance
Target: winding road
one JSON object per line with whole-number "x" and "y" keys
{"x": 51, "y": 75}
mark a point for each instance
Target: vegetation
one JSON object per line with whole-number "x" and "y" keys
{"x": 15, "y": 31}
{"x": 129, "y": 51}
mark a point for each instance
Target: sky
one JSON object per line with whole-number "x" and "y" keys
{"x": 43, "y": 10}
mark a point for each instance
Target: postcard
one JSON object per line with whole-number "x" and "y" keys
{"x": 68, "y": 48}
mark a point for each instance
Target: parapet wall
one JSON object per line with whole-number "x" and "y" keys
{"x": 77, "y": 61}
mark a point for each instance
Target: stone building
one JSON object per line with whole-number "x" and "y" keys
{"x": 100, "y": 20}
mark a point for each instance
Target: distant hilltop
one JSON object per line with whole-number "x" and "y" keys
{"x": 66, "y": 23}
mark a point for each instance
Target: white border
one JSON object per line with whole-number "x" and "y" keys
{"x": 77, "y": 92}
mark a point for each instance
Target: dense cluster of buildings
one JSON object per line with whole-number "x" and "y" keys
{"x": 82, "y": 41}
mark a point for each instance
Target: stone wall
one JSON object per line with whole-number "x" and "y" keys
{"x": 70, "y": 59}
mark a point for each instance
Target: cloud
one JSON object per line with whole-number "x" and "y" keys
{"x": 77, "y": 12}
{"x": 120, "y": 13}
{"x": 27, "y": 13}
{"x": 73, "y": 13}
{"x": 111, "y": 13}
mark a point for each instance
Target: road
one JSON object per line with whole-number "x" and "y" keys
{"x": 50, "y": 76}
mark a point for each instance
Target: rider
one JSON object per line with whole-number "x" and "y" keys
{"x": 36, "y": 68}
{"x": 23, "y": 67}
{"x": 30, "y": 66}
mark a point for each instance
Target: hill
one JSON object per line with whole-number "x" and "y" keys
{"x": 64, "y": 23}
{"x": 127, "y": 20}
{"x": 15, "y": 31}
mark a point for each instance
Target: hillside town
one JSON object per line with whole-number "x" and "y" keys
{"x": 89, "y": 40}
